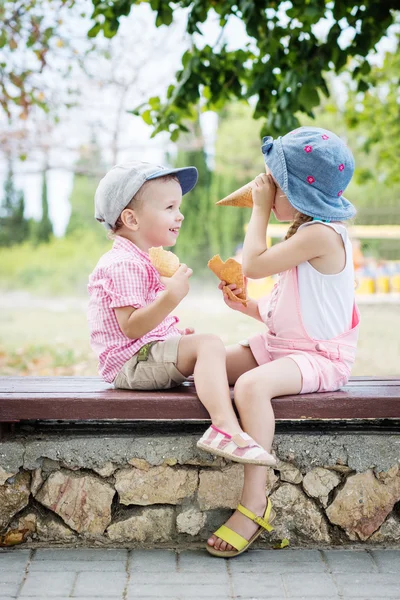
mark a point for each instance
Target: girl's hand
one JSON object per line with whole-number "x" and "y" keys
{"x": 263, "y": 191}
{"x": 233, "y": 305}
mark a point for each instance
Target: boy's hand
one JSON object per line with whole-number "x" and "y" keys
{"x": 177, "y": 286}
{"x": 263, "y": 191}
{"x": 233, "y": 305}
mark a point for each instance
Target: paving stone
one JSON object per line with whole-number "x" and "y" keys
{"x": 48, "y": 585}
{"x": 258, "y": 585}
{"x": 310, "y": 585}
{"x": 349, "y": 561}
{"x": 11, "y": 589}
{"x": 198, "y": 561}
{"x": 75, "y": 565}
{"x": 14, "y": 560}
{"x": 81, "y": 554}
{"x": 388, "y": 561}
{"x": 178, "y": 578}
{"x": 374, "y": 585}
{"x": 95, "y": 585}
{"x": 279, "y": 561}
{"x": 150, "y": 561}
{"x": 178, "y": 592}
{"x": 7, "y": 577}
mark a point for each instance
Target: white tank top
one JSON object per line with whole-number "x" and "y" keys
{"x": 327, "y": 301}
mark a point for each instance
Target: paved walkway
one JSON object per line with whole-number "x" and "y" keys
{"x": 86, "y": 574}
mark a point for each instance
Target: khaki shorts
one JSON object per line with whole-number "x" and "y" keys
{"x": 152, "y": 368}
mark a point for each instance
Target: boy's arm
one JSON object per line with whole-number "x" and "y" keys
{"x": 136, "y": 322}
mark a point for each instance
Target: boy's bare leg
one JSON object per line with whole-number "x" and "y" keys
{"x": 204, "y": 357}
{"x": 253, "y": 393}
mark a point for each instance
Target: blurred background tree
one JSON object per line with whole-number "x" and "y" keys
{"x": 283, "y": 66}
{"x": 14, "y": 227}
{"x": 220, "y": 74}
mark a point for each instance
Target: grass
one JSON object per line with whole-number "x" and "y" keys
{"x": 49, "y": 335}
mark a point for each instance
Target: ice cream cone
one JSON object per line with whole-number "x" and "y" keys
{"x": 166, "y": 263}
{"x": 241, "y": 197}
{"x": 229, "y": 271}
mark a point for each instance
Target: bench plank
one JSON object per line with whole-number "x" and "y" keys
{"x": 85, "y": 398}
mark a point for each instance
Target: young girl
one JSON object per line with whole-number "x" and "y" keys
{"x": 312, "y": 321}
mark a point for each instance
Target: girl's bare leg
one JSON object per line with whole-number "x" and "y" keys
{"x": 253, "y": 393}
{"x": 239, "y": 360}
{"x": 204, "y": 356}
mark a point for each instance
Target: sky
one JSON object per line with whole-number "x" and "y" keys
{"x": 148, "y": 57}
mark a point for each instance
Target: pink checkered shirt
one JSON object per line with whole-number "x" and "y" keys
{"x": 124, "y": 276}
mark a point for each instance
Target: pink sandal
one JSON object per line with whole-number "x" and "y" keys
{"x": 240, "y": 447}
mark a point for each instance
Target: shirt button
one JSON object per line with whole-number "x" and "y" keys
{"x": 269, "y": 314}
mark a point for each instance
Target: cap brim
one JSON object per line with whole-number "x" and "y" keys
{"x": 187, "y": 177}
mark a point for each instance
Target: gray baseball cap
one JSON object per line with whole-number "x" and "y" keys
{"x": 122, "y": 182}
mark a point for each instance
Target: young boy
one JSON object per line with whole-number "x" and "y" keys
{"x": 132, "y": 329}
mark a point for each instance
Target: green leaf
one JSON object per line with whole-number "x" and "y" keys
{"x": 308, "y": 97}
{"x": 94, "y": 30}
{"x": 146, "y": 116}
{"x": 154, "y": 102}
{"x": 282, "y": 544}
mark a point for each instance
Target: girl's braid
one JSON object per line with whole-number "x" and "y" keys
{"x": 299, "y": 219}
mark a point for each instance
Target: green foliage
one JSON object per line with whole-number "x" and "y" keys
{"x": 209, "y": 229}
{"x": 283, "y": 66}
{"x": 82, "y": 206}
{"x": 86, "y": 179}
{"x": 60, "y": 267}
{"x": 14, "y": 227}
{"x": 375, "y": 115}
{"x": 193, "y": 242}
{"x": 28, "y": 30}
{"x": 43, "y": 230}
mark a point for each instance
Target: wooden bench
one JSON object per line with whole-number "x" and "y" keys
{"x": 88, "y": 398}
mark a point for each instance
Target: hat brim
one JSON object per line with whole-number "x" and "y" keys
{"x": 326, "y": 208}
{"x": 187, "y": 177}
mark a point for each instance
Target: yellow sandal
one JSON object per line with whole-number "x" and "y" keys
{"x": 235, "y": 539}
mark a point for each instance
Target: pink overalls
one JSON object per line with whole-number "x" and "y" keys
{"x": 325, "y": 364}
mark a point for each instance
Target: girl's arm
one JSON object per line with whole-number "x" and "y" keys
{"x": 306, "y": 244}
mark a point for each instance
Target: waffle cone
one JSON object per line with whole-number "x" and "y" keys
{"x": 241, "y": 197}
{"x": 166, "y": 263}
{"x": 229, "y": 271}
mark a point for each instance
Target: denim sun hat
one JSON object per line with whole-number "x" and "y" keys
{"x": 122, "y": 182}
{"x": 313, "y": 167}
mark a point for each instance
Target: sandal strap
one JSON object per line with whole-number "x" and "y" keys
{"x": 231, "y": 537}
{"x": 261, "y": 521}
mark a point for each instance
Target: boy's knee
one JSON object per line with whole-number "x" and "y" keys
{"x": 211, "y": 342}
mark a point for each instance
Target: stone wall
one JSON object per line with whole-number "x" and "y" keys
{"x": 157, "y": 489}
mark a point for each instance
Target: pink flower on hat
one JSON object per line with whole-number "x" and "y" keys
{"x": 310, "y": 179}
{"x": 340, "y": 193}
{"x": 341, "y": 167}
{"x": 325, "y": 137}
{"x": 308, "y": 148}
